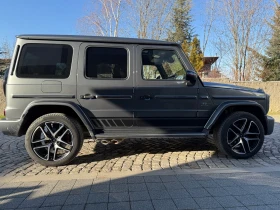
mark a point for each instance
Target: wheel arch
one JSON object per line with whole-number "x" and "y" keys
{"x": 38, "y": 108}
{"x": 227, "y": 108}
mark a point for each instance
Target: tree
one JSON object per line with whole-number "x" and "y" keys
{"x": 208, "y": 23}
{"x": 103, "y": 19}
{"x": 148, "y": 19}
{"x": 271, "y": 62}
{"x": 5, "y": 50}
{"x": 5, "y": 56}
{"x": 181, "y": 22}
{"x": 151, "y": 18}
{"x": 186, "y": 46}
{"x": 196, "y": 55}
{"x": 242, "y": 26}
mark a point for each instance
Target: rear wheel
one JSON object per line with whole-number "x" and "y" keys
{"x": 241, "y": 135}
{"x": 54, "y": 139}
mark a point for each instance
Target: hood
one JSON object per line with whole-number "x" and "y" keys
{"x": 228, "y": 86}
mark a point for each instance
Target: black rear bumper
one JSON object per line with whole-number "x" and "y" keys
{"x": 10, "y": 128}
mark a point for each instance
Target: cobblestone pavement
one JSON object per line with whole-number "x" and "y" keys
{"x": 137, "y": 155}
{"x": 241, "y": 191}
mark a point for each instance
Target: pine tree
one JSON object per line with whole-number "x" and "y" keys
{"x": 186, "y": 46}
{"x": 271, "y": 62}
{"x": 181, "y": 22}
{"x": 196, "y": 55}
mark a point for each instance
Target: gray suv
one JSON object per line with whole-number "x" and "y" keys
{"x": 62, "y": 89}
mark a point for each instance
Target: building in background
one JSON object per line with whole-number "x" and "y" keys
{"x": 209, "y": 70}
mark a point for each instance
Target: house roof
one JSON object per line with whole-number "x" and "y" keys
{"x": 210, "y": 60}
{"x": 95, "y": 39}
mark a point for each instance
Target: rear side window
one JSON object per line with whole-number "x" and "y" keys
{"x": 45, "y": 61}
{"x": 106, "y": 63}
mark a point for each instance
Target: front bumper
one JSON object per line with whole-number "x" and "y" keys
{"x": 10, "y": 128}
{"x": 269, "y": 125}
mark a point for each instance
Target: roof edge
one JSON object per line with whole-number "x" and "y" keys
{"x": 93, "y": 39}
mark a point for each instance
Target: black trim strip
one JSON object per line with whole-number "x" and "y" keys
{"x": 240, "y": 97}
{"x": 15, "y": 61}
{"x": 89, "y": 97}
{"x": 113, "y": 97}
{"x": 175, "y": 97}
{"x": 148, "y": 135}
{"x": 43, "y": 96}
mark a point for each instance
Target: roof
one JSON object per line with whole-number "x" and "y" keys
{"x": 210, "y": 60}
{"x": 94, "y": 39}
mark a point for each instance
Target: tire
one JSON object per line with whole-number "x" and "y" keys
{"x": 240, "y": 136}
{"x": 54, "y": 139}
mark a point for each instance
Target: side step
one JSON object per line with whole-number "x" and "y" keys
{"x": 119, "y": 135}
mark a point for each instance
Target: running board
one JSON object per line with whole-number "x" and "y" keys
{"x": 147, "y": 135}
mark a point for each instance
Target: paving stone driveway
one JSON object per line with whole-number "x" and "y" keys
{"x": 136, "y": 155}
{"x": 213, "y": 191}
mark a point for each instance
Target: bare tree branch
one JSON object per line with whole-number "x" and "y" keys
{"x": 103, "y": 19}
{"x": 151, "y": 18}
{"x": 242, "y": 26}
{"x": 208, "y": 24}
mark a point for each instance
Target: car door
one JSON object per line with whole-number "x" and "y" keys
{"x": 105, "y": 84}
{"x": 163, "y": 98}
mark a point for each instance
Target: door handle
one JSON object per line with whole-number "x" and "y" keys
{"x": 88, "y": 96}
{"x": 146, "y": 97}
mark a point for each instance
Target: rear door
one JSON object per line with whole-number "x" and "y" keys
{"x": 163, "y": 99}
{"x": 105, "y": 84}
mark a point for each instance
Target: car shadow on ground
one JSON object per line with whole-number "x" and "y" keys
{"x": 131, "y": 147}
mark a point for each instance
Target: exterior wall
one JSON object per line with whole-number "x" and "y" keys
{"x": 271, "y": 88}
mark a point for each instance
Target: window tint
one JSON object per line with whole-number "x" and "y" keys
{"x": 162, "y": 64}
{"x": 106, "y": 63}
{"x": 45, "y": 61}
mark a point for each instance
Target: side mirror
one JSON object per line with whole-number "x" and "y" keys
{"x": 191, "y": 78}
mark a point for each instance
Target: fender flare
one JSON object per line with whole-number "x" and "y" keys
{"x": 75, "y": 107}
{"x": 223, "y": 106}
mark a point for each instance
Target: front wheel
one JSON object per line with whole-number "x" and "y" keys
{"x": 54, "y": 139}
{"x": 241, "y": 135}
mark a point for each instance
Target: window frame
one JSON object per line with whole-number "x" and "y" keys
{"x": 42, "y": 43}
{"x": 166, "y": 49}
{"x": 110, "y": 79}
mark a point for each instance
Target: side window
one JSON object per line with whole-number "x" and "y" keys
{"x": 45, "y": 61}
{"x": 106, "y": 63}
{"x": 162, "y": 65}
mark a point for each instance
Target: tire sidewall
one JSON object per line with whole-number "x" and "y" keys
{"x": 224, "y": 129}
{"x": 77, "y": 141}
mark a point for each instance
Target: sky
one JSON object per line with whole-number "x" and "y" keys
{"x": 39, "y": 17}
{"x": 55, "y": 17}
{"x": 61, "y": 17}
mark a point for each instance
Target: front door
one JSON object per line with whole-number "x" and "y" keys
{"x": 105, "y": 84}
{"x": 163, "y": 99}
